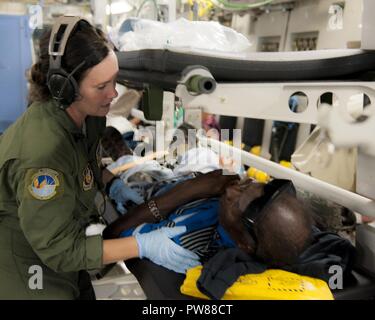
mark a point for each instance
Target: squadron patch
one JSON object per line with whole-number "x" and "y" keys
{"x": 43, "y": 184}
{"x": 88, "y": 178}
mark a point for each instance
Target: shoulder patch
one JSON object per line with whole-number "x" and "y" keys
{"x": 43, "y": 184}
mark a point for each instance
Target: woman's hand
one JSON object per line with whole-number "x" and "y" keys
{"x": 159, "y": 247}
{"x": 121, "y": 193}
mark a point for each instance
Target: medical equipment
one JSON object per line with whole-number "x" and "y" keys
{"x": 260, "y": 85}
{"x": 256, "y": 209}
{"x": 269, "y": 285}
{"x": 232, "y": 98}
{"x": 269, "y": 100}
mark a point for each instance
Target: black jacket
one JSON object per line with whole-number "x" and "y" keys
{"x": 327, "y": 249}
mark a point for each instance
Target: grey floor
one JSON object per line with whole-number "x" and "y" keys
{"x": 118, "y": 284}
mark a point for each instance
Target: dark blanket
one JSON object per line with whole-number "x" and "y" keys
{"x": 326, "y": 250}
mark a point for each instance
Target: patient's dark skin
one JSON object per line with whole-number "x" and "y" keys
{"x": 232, "y": 204}
{"x": 283, "y": 231}
{"x": 113, "y": 144}
{"x": 212, "y": 184}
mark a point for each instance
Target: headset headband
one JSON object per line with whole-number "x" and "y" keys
{"x": 272, "y": 191}
{"x": 59, "y": 37}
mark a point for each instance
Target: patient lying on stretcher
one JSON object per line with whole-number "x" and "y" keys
{"x": 202, "y": 212}
{"x": 218, "y": 211}
{"x": 265, "y": 221}
{"x": 143, "y": 176}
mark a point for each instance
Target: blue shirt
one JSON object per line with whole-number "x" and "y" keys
{"x": 203, "y": 233}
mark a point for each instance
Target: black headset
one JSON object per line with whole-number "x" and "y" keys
{"x": 62, "y": 85}
{"x": 256, "y": 209}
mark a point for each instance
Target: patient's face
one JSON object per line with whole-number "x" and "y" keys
{"x": 232, "y": 205}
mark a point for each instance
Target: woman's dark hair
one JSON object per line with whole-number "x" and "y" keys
{"x": 86, "y": 43}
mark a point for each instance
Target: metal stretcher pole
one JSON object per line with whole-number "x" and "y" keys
{"x": 348, "y": 199}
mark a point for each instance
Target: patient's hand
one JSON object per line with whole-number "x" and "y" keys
{"x": 212, "y": 184}
{"x": 204, "y": 186}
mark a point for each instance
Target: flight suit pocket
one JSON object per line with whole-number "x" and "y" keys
{"x": 40, "y": 282}
{"x": 86, "y": 207}
{"x": 87, "y": 199}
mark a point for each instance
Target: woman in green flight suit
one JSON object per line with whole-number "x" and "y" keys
{"x": 50, "y": 173}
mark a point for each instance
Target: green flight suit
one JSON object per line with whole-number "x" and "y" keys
{"x": 49, "y": 173}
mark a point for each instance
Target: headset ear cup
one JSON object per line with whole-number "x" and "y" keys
{"x": 62, "y": 85}
{"x": 63, "y": 88}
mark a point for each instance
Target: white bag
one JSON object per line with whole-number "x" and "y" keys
{"x": 182, "y": 33}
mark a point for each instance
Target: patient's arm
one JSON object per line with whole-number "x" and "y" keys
{"x": 166, "y": 203}
{"x": 207, "y": 185}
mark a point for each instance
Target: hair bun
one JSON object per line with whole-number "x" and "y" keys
{"x": 37, "y": 76}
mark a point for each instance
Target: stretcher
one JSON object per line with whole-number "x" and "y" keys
{"x": 225, "y": 84}
{"x": 159, "y": 283}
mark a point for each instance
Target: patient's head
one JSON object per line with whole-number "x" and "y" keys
{"x": 266, "y": 221}
{"x": 113, "y": 144}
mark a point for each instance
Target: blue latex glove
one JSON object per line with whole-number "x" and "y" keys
{"x": 158, "y": 247}
{"x": 121, "y": 193}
